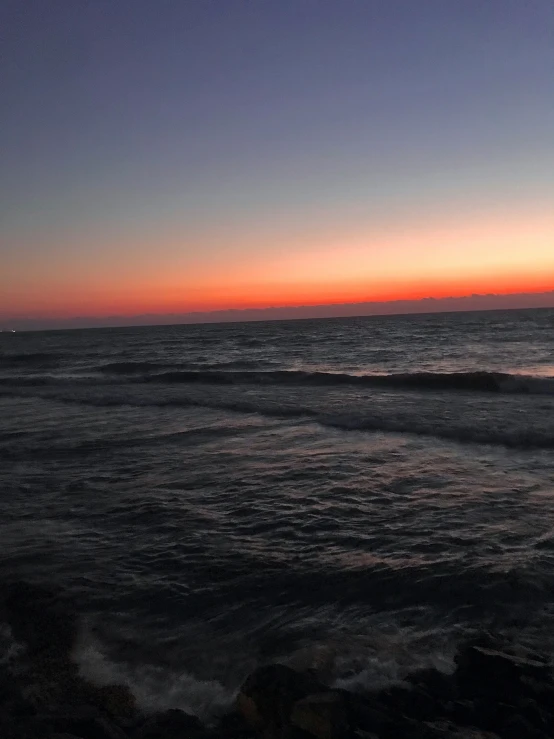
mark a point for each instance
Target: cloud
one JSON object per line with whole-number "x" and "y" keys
{"x": 487, "y": 301}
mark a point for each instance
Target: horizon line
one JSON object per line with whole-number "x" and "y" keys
{"x": 426, "y": 305}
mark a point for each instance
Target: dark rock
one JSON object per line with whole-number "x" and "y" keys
{"x": 491, "y": 715}
{"x": 116, "y": 701}
{"x": 48, "y": 681}
{"x": 496, "y": 675}
{"x": 171, "y": 724}
{"x": 12, "y": 700}
{"x": 20, "y": 708}
{"x": 368, "y": 714}
{"x": 233, "y": 726}
{"x": 268, "y": 695}
{"x": 51, "y": 682}
{"x": 524, "y": 721}
{"x": 485, "y": 639}
{"x": 85, "y": 722}
{"x": 511, "y": 665}
{"x": 447, "y": 730}
{"x": 539, "y": 690}
{"x": 461, "y": 712}
{"x": 435, "y": 683}
{"x": 8, "y": 690}
{"x": 323, "y": 715}
{"x": 291, "y": 732}
{"x": 414, "y": 702}
{"x": 536, "y": 714}
{"x": 19, "y": 728}
{"x": 473, "y": 733}
{"x": 39, "y": 618}
{"x": 518, "y": 727}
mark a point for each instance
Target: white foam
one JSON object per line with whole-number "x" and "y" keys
{"x": 373, "y": 661}
{"x": 155, "y": 688}
{"x": 9, "y": 648}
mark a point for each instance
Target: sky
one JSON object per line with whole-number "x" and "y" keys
{"x": 169, "y": 156}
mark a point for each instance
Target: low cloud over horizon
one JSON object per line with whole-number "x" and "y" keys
{"x": 474, "y": 302}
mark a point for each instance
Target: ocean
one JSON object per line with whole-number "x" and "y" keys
{"x": 354, "y": 495}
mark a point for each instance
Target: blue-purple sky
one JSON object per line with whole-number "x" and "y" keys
{"x": 173, "y": 155}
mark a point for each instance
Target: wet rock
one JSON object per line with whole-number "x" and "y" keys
{"x": 12, "y": 700}
{"x": 20, "y": 708}
{"x": 28, "y": 727}
{"x": 116, "y": 701}
{"x": 414, "y": 702}
{"x": 49, "y": 682}
{"x": 446, "y": 730}
{"x": 85, "y": 722}
{"x": 233, "y": 726}
{"x": 493, "y": 714}
{"x": 171, "y": 724}
{"x": 39, "y": 618}
{"x": 518, "y": 727}
{"x": 539, "y": 717}
{"x": 7, "y": 688}
{"x": 15, "y": 729}
{"x": 268, "y": 695}
{"x": 497, "y": 675}
{"x": 368, "y": 714}
{"x": 511, "y": 665}
{"x": 323, "y": 715}
{"x": 540, "y": 691}
{"x": 435, "y": 683}
{"x": 461, "y": 712}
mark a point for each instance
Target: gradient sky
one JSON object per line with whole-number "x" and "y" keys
{"x": 175, "y": 155}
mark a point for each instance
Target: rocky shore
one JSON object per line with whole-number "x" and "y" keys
{"x": 498, "y": 690}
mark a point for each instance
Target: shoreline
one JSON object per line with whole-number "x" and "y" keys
{"x": 498, "y": 690}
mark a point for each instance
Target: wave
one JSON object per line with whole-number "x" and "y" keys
{"x": 509, "y": 434}
{"x": 198, "y": 666}
{"x": 44, "y": 448}
{"x": 496, "y": 382}
{"x": 133, "y": 368}
{"x": 28, "y": 381}
{"x": 30, "y": 358}
{"x": 513, "y": 438}
{"x": 129, "y": 368}
{"x": 226, "y": 373}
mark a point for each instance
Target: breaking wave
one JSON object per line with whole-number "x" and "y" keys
{"x": 469, "y": 431}
{"x": 132, "y": 368}
{"x": 226, "y": 374}
{"x": 129, "y": 368}
{"x": 465, "y": 381}
{"x": 514, "y": 438}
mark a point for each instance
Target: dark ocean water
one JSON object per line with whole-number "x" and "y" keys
{"x": 356, "y": 495}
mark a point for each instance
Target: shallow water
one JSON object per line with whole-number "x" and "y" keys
{"x": 213, "y": 497}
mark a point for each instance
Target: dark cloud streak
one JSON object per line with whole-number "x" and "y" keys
{"x": 397, "y": 307}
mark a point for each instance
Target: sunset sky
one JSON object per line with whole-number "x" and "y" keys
{"x": 165, "y": 156}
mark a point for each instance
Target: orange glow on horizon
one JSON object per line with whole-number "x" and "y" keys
{"x": 404, "y": 261}
{"x": 162, "y": 300}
